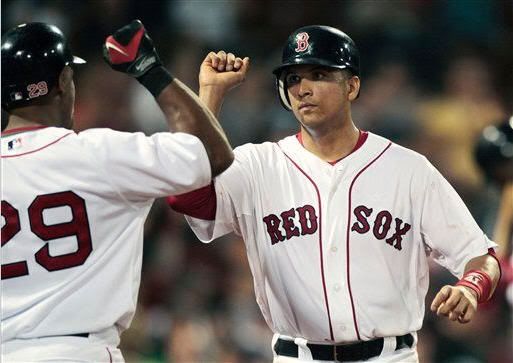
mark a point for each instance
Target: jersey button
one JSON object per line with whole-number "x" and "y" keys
{"x": 336, "y": 287}
{"x": 334, "y": 249}
{"x": 342, "y": 328}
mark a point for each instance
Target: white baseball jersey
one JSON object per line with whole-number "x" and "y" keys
{"x": 73, "y": 211}
{"x": 339, "y": 252}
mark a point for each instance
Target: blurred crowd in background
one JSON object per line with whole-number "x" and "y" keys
{"x": 434, "y": 74}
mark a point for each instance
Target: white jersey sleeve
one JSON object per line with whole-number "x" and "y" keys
{"x": 447, "y": 226}
{"x": 141, "y": 167}
{"x": 234, "y": 189}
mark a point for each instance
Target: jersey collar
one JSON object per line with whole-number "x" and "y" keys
{"x": 362, "y": 137}
{"x": 18, "y": 130}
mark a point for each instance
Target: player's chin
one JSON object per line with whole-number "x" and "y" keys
{"x": 310, "y": 119}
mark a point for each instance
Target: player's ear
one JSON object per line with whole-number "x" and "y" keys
{"x": 353, "y": 84}
{"x": 65, "y": 78}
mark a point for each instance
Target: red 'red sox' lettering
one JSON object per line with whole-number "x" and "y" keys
{"x": 288, "y": 223}
{"x": 382, "y": 224}
{"x": 361, "y": 212}
{"x": 306, "y": 217}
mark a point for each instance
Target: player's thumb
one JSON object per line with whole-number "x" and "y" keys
{"x": 245, "y": 65}
{"x": 209, "y": 60}
{"x": 442, "y": 295}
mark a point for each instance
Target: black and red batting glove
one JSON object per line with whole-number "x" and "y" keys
{"x": 130, "y": 50}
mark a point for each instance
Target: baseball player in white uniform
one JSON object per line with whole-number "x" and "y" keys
{"x": 338, "y": 223}
{"x": 74, "y": 204}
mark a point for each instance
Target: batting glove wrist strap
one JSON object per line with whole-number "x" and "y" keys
{"x": 155, "y": 80}
{"x": 130, "y": 50}
{"x": 478, "y": 281}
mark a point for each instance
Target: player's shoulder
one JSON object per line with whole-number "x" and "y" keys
{"x": 409, "y": 161}
{"x": 100, "y": 133}
{"x": 105, "y": 143}
{"x": 29, "y": 140}
{"x": 255, "y": 159}
{"x": 256, "y": 150}
{"x": 106, "y": 138}
{"x": 399, "y": 152}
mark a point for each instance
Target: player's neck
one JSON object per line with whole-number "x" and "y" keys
{"x": 332, "y": 145}
{"x": 29, "y": 116}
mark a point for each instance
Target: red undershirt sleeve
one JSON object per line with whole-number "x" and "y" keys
{"x": 200, "y": 203}
{"x": 492, "y": 253}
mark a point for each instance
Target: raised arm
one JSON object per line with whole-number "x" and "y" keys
{"x": 130, "y": 50}
{"x": 220, "y": 72}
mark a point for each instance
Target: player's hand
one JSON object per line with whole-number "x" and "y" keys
{"x": 455, "y": 302}
{"x": 130, "y": 50}
{"x": 222, "y": 71}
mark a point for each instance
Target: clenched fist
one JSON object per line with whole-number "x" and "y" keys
{"x": 222, "y": 71}
{"x": 456, "y": 303}
{"x": 130, "y": 50}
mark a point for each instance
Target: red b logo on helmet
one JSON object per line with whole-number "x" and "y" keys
{"x": 302, "y": 42}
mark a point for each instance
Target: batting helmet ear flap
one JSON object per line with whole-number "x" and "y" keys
{"x": 281, "y": 85}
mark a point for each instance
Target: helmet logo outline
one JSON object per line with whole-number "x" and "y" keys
{"x": 302, "y": 42}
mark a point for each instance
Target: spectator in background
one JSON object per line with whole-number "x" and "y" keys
{"x": 451, "y": 122}
{"x": 388, "y": 105}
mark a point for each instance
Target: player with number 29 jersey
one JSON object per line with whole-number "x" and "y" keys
{"x": 74, "y": 204}
{"x": 64, "y": 244}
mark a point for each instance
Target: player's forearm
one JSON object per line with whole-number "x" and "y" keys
{"x": 213, "y": 98}
{"x": 504, "y": 225}
{"x": 488, "y": 265}
{"x": 184, "y": 112}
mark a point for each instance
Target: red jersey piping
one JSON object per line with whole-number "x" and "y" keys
{"x": 320, "y": 239}
{"x": 23, "y": 129}
{"x": 362, "y": 137}
{"x": 347, "y": 236}
{"x": 39, "y": 149}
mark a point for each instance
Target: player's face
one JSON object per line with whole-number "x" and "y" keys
{"x": 319, "y": 95}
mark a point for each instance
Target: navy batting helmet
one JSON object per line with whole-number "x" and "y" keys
{"x": 494, "y": 151}
{"x": 316, "y": 44}
{"x": 33, "y": 56}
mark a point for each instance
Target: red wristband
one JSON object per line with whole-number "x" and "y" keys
{"x": 478, "y": 281}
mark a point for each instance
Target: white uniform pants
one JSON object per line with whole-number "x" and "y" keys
{"x": 67, "y": 349}
{"x": 388, "y": 355}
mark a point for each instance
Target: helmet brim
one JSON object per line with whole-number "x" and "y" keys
{"x": 78, "y": 60}
{"x": 307, "y": 61}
